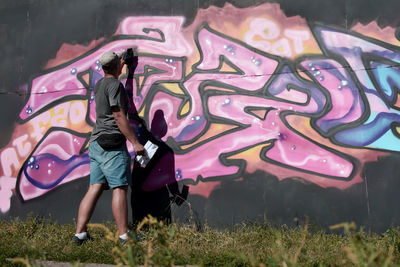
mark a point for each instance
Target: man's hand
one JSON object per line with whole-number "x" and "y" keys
{"x": 139, "y": 149}
{"x": 132, "y": 65}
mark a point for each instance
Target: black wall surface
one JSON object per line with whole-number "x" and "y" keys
{"x": 31, "y": 32}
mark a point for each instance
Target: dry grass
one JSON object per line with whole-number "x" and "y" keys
{"x": 244, "y": 245}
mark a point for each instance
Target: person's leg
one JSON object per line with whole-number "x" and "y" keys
{"x": 120, "y": 208}
{"x": 117, "y": 170}
{"x": 97, "y": 185}
{"x": 87, "y": 206}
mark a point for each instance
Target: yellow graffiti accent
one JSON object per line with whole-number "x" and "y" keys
{"x": 260, "y": 113}
{"x": 141, "y": 113}
{"x": 185, "y": 109}
{"x": 71, "y": 115}
{"x": 173, "y": 87}
{"x": 397, "y": 104}
{"x": 251, "y": 155}
{"x": 226, "y": 68}
{"x": 219, "y": 89}
{"x": 86, "y": 78}
{"x": 141, "y": 79}
{"x": 303, "y": 75}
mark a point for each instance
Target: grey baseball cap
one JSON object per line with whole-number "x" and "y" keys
{"x": 109, "y": 59}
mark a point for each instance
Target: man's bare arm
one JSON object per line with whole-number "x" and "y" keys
{"x": 130, "y": 70}
{"x": 126, "y": 130}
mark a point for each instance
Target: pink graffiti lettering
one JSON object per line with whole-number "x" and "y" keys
{"x": 222, "y": 94}
{"x": 9, "y": 158}
{"x": 253, "y": 71}
{"x": 6, "y": 186}
{"x": 55, "y": 161}
{"x": 23, "y": 147}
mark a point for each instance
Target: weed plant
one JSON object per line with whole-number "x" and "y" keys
{"x": 168, "y": 245}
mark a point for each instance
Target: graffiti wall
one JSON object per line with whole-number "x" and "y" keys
{"x": 268, "y": 115}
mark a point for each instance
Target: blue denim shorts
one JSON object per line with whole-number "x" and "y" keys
{"x": 112, "y": 167}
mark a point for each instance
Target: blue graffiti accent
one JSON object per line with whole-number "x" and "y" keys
{"x": 190, "y": 130}
{"x": 370, "y": 133}
{"x": 388, "y": 140}
{"x": 95, "y": 78}
{"x": 388, "y": 79}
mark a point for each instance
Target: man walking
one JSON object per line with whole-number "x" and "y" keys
{"x": 109, "y": 157}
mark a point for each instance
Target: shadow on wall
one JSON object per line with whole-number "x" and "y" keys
{"x": 154, "y": 188}
{"x": 260, "y": 197}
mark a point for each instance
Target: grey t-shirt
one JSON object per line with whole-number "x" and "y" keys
{"x": 108, "y": 92}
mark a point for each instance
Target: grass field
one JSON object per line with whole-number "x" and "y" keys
{"x": 244, "y": 245}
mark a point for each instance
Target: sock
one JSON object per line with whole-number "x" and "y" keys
{"x": 124, "y": 236}
{"x": 82, "y": 235}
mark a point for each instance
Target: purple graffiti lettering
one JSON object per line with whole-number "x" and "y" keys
{"x": 56, "y": 160}
{"x": 346, "y": 102}
{"x": 46, "y": 170}
{"x": 380, "y": 116}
